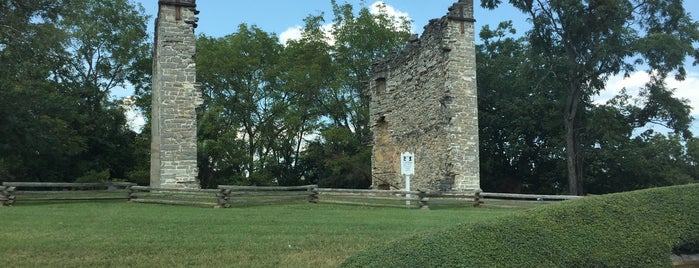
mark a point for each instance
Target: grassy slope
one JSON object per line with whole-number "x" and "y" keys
{"x": 120, "y": 234}
{"x": 635, "y": 229}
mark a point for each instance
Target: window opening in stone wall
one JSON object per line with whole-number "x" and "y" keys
{"x": 380, "y": 85}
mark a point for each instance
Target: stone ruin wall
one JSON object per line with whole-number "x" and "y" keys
{"x": 175, "y": 97}
{"x": 423, "y": 100}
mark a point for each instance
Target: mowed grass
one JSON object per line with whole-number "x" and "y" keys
{"x": 120, "y": 234}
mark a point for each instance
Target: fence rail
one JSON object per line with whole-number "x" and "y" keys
{"x": 228, "y": 195}
{"x": 470, "y": 197}
{"x": 269, "y": 194}
{"x": 178, "y": 196}
{"x": 537, "y": 197}
{"x": 68, "y": 184}
{"x": 12, "y": 192}
{"x": 376, "y": 198}
{"x": 266, "y": 188}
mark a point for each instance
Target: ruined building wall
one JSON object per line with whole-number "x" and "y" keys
{"x": 423, "y": 100}
{"x": 175, "y": 97}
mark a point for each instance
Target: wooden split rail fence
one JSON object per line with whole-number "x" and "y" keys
{"x": 396, "y": 198}
{"x": 376, "y": 198}
{"x": 269, "y": 194}
{"x": 178, "y": 196}
{"x": 229, "y": 195}
{"x": 223, "y": 197}
{"x": 11, "y": 192}
{"x": 521, "y": 201}
{"x": 529, "y": 197}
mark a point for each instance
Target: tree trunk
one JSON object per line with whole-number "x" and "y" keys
{"x": 575, "y": 177}
{"x": 573, "y": 155}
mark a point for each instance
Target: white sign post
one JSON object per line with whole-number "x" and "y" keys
{"x": 407, "y": 168}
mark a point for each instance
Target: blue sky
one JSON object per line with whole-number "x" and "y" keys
{"x": 222, "y": 17}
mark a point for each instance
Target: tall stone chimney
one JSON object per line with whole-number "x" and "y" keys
{"x": 175, "y": 96}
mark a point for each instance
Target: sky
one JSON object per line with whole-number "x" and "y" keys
{"x": 222, "y": 17}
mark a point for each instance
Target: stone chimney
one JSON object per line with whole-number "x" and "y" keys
{"x": 175, "y": 96}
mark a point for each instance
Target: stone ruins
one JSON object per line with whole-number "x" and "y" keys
{"x": 175, "y": 97}
{"x": 423, "y": 100}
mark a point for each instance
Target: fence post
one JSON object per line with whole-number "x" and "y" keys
{"x": 477, "y": 198}
{"x": 312, "y": 194}
{"x": 7, "y": 197}
{"x": 223, "y": 196}
{"x": 423, "y": 200}
{"x": 3, "y": 196}
{"x": 130, "y": 192}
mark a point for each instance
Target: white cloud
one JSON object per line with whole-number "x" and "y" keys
{"x": 292, "y": 33}
{"x": 616, "y": 83}
{"x": 377, "y": 6}
{"x": 134, "y": 118}
{"x": 390, "y": 10}
{"x": 686, "y": 89}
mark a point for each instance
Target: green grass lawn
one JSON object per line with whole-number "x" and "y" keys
{"x": 120, "y": 234}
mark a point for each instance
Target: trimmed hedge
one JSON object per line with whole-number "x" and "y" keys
{"x": 632, "y": 229}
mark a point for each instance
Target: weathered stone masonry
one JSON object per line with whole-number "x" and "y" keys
{"x": 175, "y": 97}
{"x": 423, "y": 100}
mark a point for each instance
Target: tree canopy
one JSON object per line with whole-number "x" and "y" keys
{"x": 58, "y": 67}
{"x": 583, "y": 43}
{"x": 296, "y": 112}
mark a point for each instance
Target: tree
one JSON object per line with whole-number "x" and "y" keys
{"x": 519, "y": 133}
{"x": 360, "y": 40}
{"x": 58, "y": 67}
{"x": 244, "y": 107}
{"x": 34, "y": 121}
{"x": 585, "y": 42}
{"x": 649, "y": 160}
{"x": 306, "y": 69}
{"x": 337, "y": 161}
{"x": 341, "y": 156}
{"x": 264, "y": 100}
{"x": 106, "y": 47}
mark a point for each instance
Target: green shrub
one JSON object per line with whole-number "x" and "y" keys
{"x": 94, "y": 176}
{"x": 633, "y": 229}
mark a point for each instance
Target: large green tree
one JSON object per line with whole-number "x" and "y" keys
{"x": 266, "y": 104}
{"x": 586, "y": 42}
{"x": 306, "y": 71}
{"x": 359, "y": 40}
{"x": 105, "y": 46}
{"x": 518, "y": 127}
{"x": 521, "y": 148}
{"x": 261, "y": 101}
{"x": 60, "y": 59}
{"x": 620, "y": 156}
{"x": 34, "y": 120}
